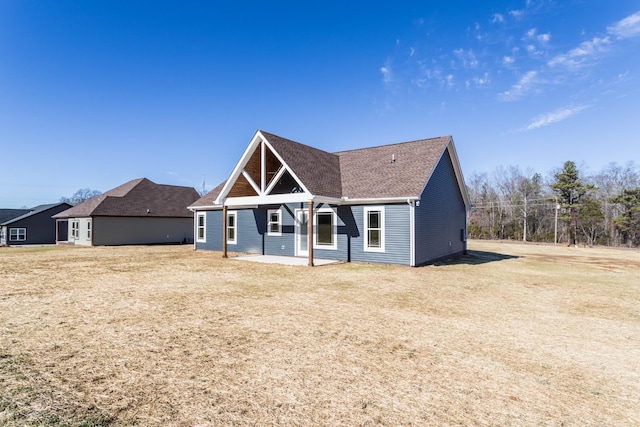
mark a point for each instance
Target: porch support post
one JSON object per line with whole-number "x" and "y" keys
{"x": 224, "y": 231}
{"x": 310, "y": 233}
{"x": 57, "y": 225}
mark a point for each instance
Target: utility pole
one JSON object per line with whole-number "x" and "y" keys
{"x": 555, "y": 229}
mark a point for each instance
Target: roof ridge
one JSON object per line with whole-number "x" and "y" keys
{"x": 391, "y": 144}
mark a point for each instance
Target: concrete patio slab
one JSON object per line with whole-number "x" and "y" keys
{"x": 285, "y": 260}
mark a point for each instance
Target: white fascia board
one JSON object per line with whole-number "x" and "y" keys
{"x": 283, "y": 163}
{"x": 327, "y": 200}
{"x": 458, "y": 170}
{"x": 273, "y": 199}
{"x": 376, "y": 201}
{"x": 248, "y": 152}
{"x": 205, "y": 208}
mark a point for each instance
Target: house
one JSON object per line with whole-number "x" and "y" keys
{"x": 137, "y": 212}
{"x": 401, "y": 203}
{"x": 30, "y": 226}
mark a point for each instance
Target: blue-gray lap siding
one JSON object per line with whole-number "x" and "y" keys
{"x": 440, "y": 220}
{"x": 248, "y": 239}
{"x": 253, "y": 237}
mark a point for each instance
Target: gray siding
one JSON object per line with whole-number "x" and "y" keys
{"x": 440, "y": 220}
{"x": 249, "y": 238}
{"x": 397, "y": 235}
{"x": 253, "y": 237}
{"x": 138, "y": 230}
{"x": 283, "y": 245}
{"x": 213, "y": 231}
{"x": 249, "y": 235}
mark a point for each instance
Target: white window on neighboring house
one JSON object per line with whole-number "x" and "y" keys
{"x": 17, "y": 234}
{"x": 325, "y": 229}
{"x": 374, "y": 229}
{"x": 201, "y": 231}
{"x": 89, "y": 230}
{"x": 232, "y": 227}
{"x": 274, "y": 225}
{"x": 75, "y": 229}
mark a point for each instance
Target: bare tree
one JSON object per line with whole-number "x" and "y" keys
{"x": 80, "y": 196}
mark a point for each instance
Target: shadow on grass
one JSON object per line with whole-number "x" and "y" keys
{"x": 478, "y": 257}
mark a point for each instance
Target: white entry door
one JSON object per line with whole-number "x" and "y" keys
{"x": 302, "y": 232}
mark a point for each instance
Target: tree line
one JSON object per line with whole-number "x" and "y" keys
{"x": 569, "y": 206}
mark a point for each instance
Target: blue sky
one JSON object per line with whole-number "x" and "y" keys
{"x": 96, "y": 93}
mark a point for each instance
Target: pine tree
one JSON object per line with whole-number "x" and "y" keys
{"x": 571, "y": 191}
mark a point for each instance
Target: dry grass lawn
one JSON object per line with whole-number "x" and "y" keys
{"x": 511, "y": 334}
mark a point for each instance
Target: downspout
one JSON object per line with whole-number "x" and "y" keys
{"x": 310, "y": 233}
{"x": 224, "y": 231}
{"x": 412, "y": 233}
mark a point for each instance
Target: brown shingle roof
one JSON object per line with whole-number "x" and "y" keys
{"x": 209, "y": 198}
{"x": 372, "y": 172}
{"x": 139, "y": 197}
{"x": 387, "y": 171}
{"x": 318, "y": 170}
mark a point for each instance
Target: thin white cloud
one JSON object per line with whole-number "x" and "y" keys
{"x": 578, "y": 56}
{"x": 497, "y": 17}
{"x": 387, "y": 76}
{"x": 554, "y": 116}
{"x": 467, "y": 58}
{"x": 508, "y": 60}
{"x": 524, "y": 85}
{"x": 516, "y": 13}
{"x": 481, "y": 81}
{"x": 449, "y": 80}
{"x": 626, "y": 27}
{"x": 544, "y": 38}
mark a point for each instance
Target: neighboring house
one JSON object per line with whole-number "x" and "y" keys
{"x": 135, "y": 213}
{"x": 400, "y": 203}
{"x": 30, "y": 226}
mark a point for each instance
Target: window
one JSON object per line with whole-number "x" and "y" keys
{"x": 325, "y": 229}
{"x": 374, "y": 229}
{"x": 201, "y": 234}
{"x": 274, "y": 222}
{"x": 18, "y": 234}
{"x": 232, "y": 227}
{"x": 75, "y": 229}
{"x": 89, "y": 230}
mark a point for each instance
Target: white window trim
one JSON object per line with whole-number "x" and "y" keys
{"x": 89, "y": 229}
{"x": 233, "y": 214}
{"x": 16, "y": 237}
{"x": 75, "y": 229}
{"x": 269, "y": 223}
{"x": 334, "y": 232}
{"x": 365, "y": 227}
{"x": 204, "y": 227}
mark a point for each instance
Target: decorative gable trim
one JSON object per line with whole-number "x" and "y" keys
{"x": 256, "y": 171}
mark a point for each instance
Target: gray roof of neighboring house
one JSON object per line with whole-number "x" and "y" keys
{"x": 386, "y": 171}
{"x": 137, "y": 198}
{"x": 30, "y": 212}
{"x": 9, "y": 214}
